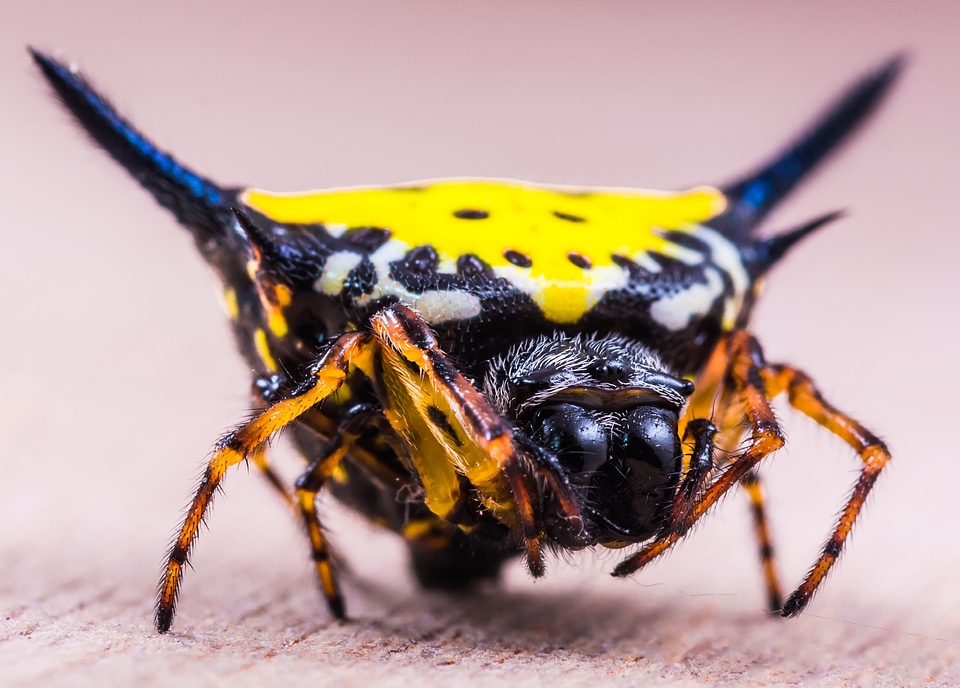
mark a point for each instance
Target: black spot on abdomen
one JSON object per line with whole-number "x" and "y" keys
{"x": 366, "y": 239}
{"x": 521, "y": 260}
{"x": 471, "y": 214}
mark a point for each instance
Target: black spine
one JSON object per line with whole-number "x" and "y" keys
{"x": 197, "y": 203}
{"x": 755, "y": 195}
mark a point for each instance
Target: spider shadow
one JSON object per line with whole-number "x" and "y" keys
{"x": 573, "y": 620}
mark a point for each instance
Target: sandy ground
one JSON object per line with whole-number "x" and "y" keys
{"x": 119, "y": 372}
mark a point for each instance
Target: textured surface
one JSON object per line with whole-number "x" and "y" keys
{"x": 119, "y": 373}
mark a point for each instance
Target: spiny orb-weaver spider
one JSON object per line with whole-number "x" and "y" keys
{"x": 490, "y": 367}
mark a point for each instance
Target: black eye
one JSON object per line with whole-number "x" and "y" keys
{"x": 611, "y": 369}
{"x": 573, "y": 435}
{"x": 540, "y": 380}
{"x": 636, "y": 484}
{"x": 650, "y": 437}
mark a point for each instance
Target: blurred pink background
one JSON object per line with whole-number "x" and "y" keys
{"x": 119, "y": 372}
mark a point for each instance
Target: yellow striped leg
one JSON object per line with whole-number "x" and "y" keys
{"x": 328, "y": 375}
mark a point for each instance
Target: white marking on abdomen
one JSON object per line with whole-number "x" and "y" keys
{"x": 685, "y": 255}
{"x": 436, "y": 306}
{"x": 644, "y": 260}
{"x": 335, "y": 272}
{"x": 335, "y": 229}
{"x": 442, "y": 306}
{"x": 726, "y": 256}
{"x": 676, "y": 311}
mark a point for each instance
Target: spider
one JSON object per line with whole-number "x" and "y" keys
{"x": 490, "y": 367}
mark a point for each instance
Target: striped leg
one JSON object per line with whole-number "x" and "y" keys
{"x": 309, "y": 485}
{"x": 761, "y": 524}
{"x": 746, "y": 365}
{"x": 261, "y": 460}
{"x": 328, "y": 375}
{"x": 265, "y": 391}
{"x": 389, "y": 475}
{"x": 710, "y": 401}
{"x": 755, "y": 382}
{"x": 805, "y": 397}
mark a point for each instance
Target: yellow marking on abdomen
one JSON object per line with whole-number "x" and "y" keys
{"x": 542, "y": 223}
{"x": 274, "y": 298}
{"x": 263, "y": 350}
{"x": 277, "y": 323}
{"x": 230, "y": 303}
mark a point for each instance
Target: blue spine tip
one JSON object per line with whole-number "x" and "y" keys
{"x": 755, "y": 195}
{"x": 197, "y": 202}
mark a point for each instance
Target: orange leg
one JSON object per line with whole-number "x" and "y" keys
{"x": 746, "y": 365}
{"x": 751, "y": 484}
{"x": 754, "y": 382}
{"x": 265, "y": 391}
{"x": 710, "y": 400}
{"x": 398, "y": 329}
{"x": 309, "y": 485}
{"x": 805, "y": 397}
{"x": 328, "y": 375}
{"x": 260, "y": 459}
{"x": 388, "y": 475}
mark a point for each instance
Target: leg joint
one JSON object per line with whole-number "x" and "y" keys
{"x": 768, "y": 437}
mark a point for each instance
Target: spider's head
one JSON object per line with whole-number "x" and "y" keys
{"x": 605, "y": 410}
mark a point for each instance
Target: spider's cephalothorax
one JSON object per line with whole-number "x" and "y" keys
{"x": 487, "y": 367}
{"x": 605, "y": 408}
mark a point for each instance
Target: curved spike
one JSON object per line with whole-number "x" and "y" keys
{"x": 197, "y": 203}
{"x": 260, "y": 244}
{"x": 294, "y": 259}
{"x": 755, "y": 195}
{"x": 763, "y": 254}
